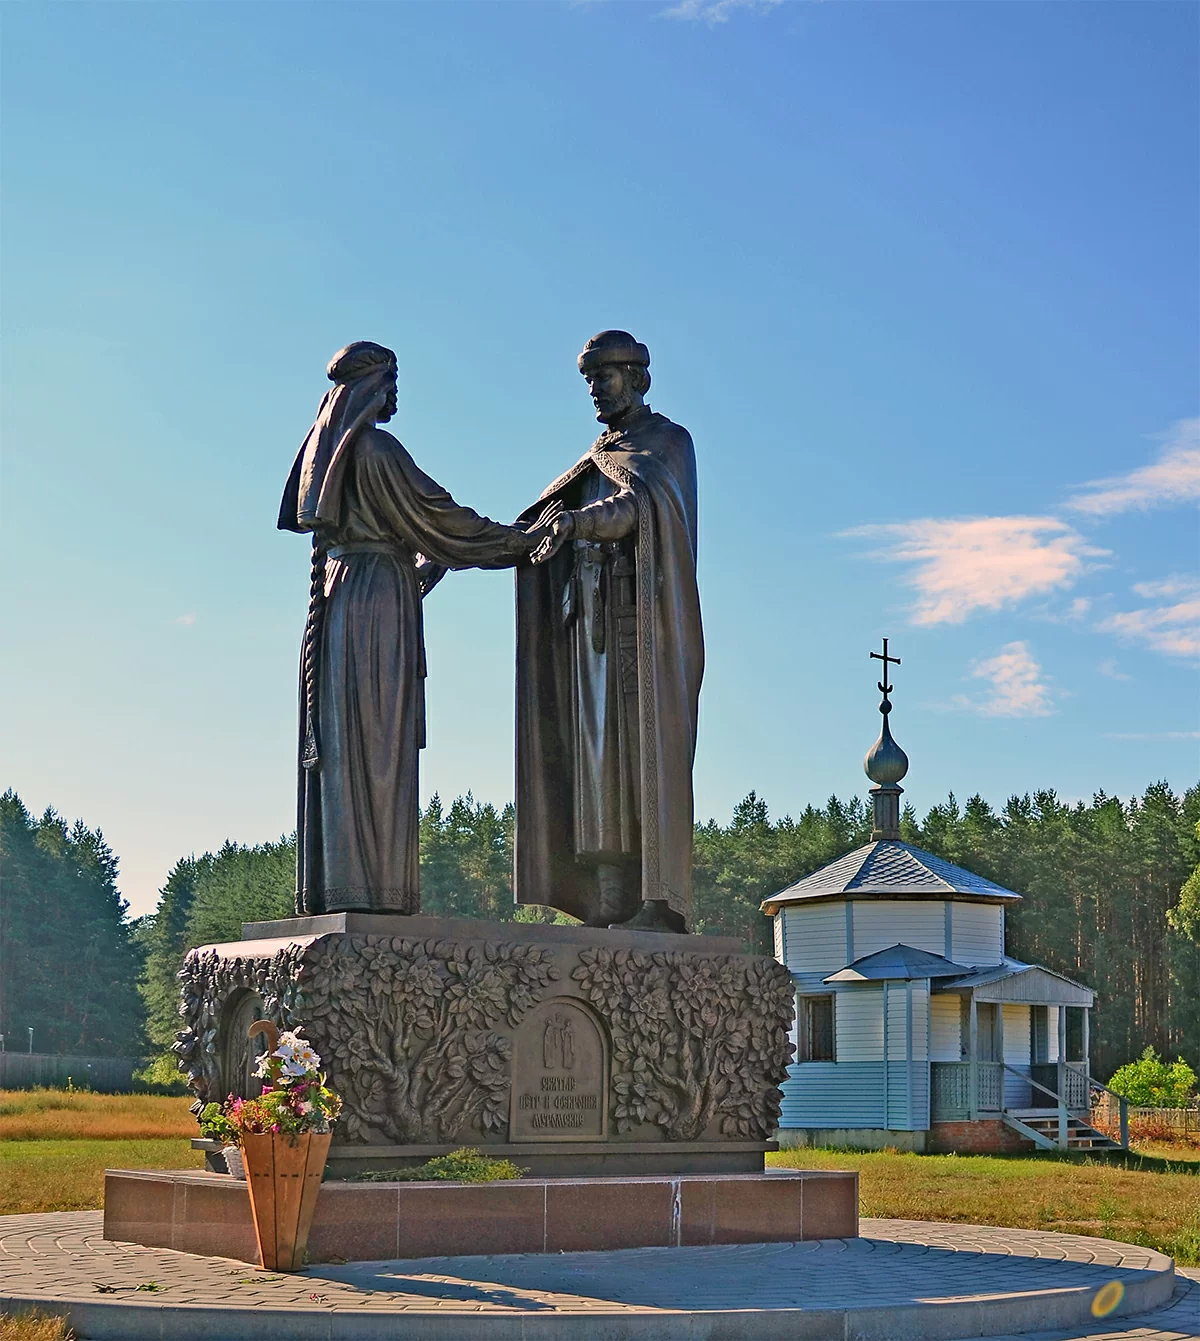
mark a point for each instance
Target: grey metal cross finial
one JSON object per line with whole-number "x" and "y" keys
{"x": 884, "y": 688}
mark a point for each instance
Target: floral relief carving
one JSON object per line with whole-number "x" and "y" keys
{"x": 695, "y": 1039}
{"x": 208, "y": 982}
{"x": 413, "y": 1031}
{"x": 416, "y": 1034}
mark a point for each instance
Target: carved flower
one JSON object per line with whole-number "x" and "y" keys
{"x": 341, "y": 976}
{"x": 475, "y": 993}
{"x": 418, "y": 984}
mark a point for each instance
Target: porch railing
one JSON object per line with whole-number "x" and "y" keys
{"x": 951, "y": 1083}
{"x": 951, "y": 1092}
{"x": 950, "y": 1099}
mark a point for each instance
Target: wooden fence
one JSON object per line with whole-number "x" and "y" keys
{"x": 1147, "y": 1122}
{"x": 1185, "y": 1120}
{"x": 31, "y": 1070}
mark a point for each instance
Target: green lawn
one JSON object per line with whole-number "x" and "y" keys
{"x": 69, "y": 1175}
{"x": 1150, "y": 1201}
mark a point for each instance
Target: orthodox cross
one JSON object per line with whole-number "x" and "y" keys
{"x": 884, "y": 688}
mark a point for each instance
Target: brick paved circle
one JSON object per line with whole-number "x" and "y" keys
{"x": 901, "y": 1279}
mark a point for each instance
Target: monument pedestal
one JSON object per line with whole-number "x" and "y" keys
{"x": 573, "y": 1051}
{"x": 209, "y": 1213}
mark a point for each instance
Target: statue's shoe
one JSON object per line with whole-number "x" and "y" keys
{"x": 654, "y": 915}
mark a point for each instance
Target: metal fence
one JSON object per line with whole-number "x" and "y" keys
{"x": 31, "y": 1070}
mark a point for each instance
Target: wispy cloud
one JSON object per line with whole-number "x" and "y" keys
{"x": 1016, "y": 685}
{"x": 1172, "y": 626}
{"x": 1173, "y": 478}
{"x": 185, "y": 619}
{"x": 1178, "y": 584}
{"x": 1151, "y": 735}
{"x": 982, "y": 563}
{"x": 716, "y": 11}
{"x": 1109, "y": 668}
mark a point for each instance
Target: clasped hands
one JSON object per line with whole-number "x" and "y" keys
{"x": 544, "y": 538}
{"x": 550, "y": 532}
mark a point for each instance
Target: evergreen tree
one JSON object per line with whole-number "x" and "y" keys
{"x": 164, "y": 939}
{"x": 241, "y": 884}
{"x": 1185, "y": 916}
{"x": 1102, "y": 886}
{"x": 69, "y": 963}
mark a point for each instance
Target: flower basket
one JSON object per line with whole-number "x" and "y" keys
{"x": 283, "y": 1136}
{"x": 283, "y": 1174}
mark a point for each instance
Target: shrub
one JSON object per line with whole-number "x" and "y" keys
{"x": 467, "y": 1165}
{"x": 215, "y": 1126}
{"x": 1151, "y": 1082}
{"x": 161, "y": 1075}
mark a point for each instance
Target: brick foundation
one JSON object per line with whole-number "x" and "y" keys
{"x": 975, "y": 1138}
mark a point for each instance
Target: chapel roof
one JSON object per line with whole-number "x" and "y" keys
{"x": 898, "y": 962}
{"x": 889, "y": 868}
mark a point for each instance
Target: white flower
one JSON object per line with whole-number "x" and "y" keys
{"x": 264, "y": 1065}
{"x": 295, "y": 1051}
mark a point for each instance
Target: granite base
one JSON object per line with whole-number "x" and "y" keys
{"x": 209, "y": 1214}
{"x": 572, "y": 1050}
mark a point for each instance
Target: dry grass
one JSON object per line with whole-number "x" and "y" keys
{"x": 72, "y": 1115}
{"x": 69, "y": 1175}
{"x": 1148, "y": 1201}
{"x": 34, "y": 1326}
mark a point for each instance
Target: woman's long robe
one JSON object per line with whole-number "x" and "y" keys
{"x": 358, "y": 807}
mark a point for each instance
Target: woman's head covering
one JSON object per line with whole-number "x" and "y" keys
{"x": 364, "y": 375}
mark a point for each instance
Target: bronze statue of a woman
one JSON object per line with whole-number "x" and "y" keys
{"x": 382, "y": 531}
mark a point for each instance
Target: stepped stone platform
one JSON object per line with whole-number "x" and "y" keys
{"x": 199, "y": 1212}
{"x": 900, "y": 1280}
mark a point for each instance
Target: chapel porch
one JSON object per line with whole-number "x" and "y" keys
{"x": 1022, "y": 1040}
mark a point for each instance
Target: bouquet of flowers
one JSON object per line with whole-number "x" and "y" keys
{"x": 295, "y": 1098}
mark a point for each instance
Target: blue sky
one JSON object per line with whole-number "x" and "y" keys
{"x": 921, "y": 279}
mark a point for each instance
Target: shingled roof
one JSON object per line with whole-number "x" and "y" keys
{"x": 898, "y": 962}
{"x": 891, "y": 869}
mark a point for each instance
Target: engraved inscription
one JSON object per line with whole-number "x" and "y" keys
{"x": 560, "y": 1070}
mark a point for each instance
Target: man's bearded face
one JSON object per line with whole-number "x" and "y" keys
{"x": 389, "y": 406}
{"x": 613, "y": 390}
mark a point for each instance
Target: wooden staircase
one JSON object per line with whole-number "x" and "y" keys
{"x": 1040, "y": 1125}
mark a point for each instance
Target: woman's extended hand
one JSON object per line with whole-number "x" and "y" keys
{"x": 561, "y": 529}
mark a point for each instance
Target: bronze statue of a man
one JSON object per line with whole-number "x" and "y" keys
{"x": 610, "y": 654}
{"x": 383, "y": 532}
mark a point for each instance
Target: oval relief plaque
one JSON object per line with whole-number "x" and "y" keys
{"x": 560, "y": 1075}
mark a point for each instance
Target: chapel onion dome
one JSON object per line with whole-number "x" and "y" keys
{"x": 886, "y": 763}
{"x": 889, "y": 868}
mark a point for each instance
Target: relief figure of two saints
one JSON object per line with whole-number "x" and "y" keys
{"x": 610, "y": 652}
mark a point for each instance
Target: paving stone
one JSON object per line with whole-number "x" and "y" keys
{"x": 903, "y": 1269}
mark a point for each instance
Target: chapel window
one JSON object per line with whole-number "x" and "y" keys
{"x": 815, "y": 1017}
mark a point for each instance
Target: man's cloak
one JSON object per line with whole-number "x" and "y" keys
{"x": 655, "y": 459}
